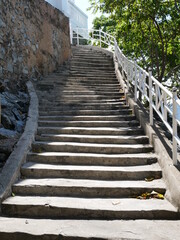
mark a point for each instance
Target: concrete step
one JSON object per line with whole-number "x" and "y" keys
{"x": 62, "y": 158}
{"x": 88, "y": 118}
{"x": 86, "y": 188}
{"x": 85, "y": 97}
{"x": 91, "y": 131}
{"x": 51, "y": 123}
{"x": 76, "y": 82}
{"x": 90, "y": 81}
{"x": 88, "y": 208}
{"x": 77, "y": 102}
{"x": 40, "y": 170}
{"x": 87, "y": 58}
{"x": 93, "y": 75}
{"x": 104, "y": 93}
{"x": 43, "y": 229}
{"x": 84, "y": 68}
{"x": 90, "y": 147}
{"x": 93, "y": 139}
{"x": 86, "y": 112}
{"x": 91, "y": 63}
{"x": 80, "y": 106}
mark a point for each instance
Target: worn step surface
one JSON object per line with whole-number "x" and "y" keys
{"x": 88, "y": 123}
{"x": 88, "y": 164}
{"x": 91, "y": 139}
{"x": 86, "y": 188}
{"x": 88, "y": 118}
{"x": 91, "y": 130}
{"x": 91, "y": 172}
{"x": 92, "y": 159}
{"x": 48, "y": 229}
{"x": 90, "y": 147}
{"x": 88, "y": 208}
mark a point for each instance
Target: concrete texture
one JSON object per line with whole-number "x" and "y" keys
{"x": 11, "y": 170}
{"x": 93, "y": 159}
{"x": 86, "y": 188}
{"x": 88, "y": 208}
{"x": 20, "y": 229}
{"x": 36, "y": 170}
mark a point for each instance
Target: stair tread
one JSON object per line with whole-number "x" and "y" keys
{"x": 97, "y": 136}
{"x": 82, "y": 121}
{"x": 60, "y": 182}
{"x": 95, "y": 128}
{"x": 87, "y": 229}
{"x": 56, "y": 167}
{"x": 93, "y": 117}
{"x": 61, "y": 154}
{"x": 135, "y": 146}
{"x": 96, "y": 204}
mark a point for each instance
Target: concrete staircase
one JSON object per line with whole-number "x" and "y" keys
{"x": 89, "y": 161}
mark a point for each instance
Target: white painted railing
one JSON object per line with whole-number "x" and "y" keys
{"x": 141, "y": 82}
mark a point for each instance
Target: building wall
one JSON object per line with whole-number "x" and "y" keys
{"x": 77, "y": 17}
{"x": 34, "y": 38}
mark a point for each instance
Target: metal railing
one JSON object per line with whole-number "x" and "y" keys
{"x": 145, "y": 87}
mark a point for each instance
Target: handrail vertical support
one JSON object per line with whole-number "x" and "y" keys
{"x": 77, "y": 36}
{"x": 150, "y": 98}
{"x": 0, "y": 110}
{"x": 71, "y": 33}
{"x": 100, "y": 37}
{"x": 174, "y": 126}
{"x": 135, "y": 81}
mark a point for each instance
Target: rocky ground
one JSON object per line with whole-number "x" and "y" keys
{"x": 14, "y": 108}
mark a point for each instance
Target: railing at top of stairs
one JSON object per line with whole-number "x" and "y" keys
{"x": 144, "y": 85}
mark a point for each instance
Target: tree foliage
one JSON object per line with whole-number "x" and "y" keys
{"x": 148, "y": 30}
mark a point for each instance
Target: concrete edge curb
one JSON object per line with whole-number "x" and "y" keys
{"x": 11, "y": 170}
{"x": 170, "y": 173}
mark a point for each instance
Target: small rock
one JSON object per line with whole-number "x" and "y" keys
{"x": 6, "y": 133}
{"x": 16, "y": 114}
{"x": 2, "y": 53}
{"x": 2, "y": 23}
{"x": 7, "y": 122}
{"x": 25, "y": 71}
{"x": 10, "y": 67}
{"x": 19, "y": 126}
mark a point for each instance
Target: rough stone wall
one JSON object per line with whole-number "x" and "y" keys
{"x": 34, "y": 38}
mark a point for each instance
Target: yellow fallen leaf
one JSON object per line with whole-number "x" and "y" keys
{"x": 151, "y": 195}
{"x": 149, "y": 179}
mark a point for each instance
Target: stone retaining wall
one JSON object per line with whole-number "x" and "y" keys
{"x": 34, "y": 39}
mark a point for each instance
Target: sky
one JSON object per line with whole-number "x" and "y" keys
{"x": 83, "y": 5}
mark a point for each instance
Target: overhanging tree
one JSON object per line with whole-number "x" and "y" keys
{"x": 148, "y": 30}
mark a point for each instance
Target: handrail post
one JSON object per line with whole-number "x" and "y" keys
{"x": 100, "y": 36}
{"x": 71, "y": 33}
{"x": 135, "y": 81}
{"x": 115, "y": 47}
{"x": 150, "y": 98}
{"x": 92, "y": 38}
{"x": 0, "y": 110}
{"x": 174, "y": 126}
{"x": 77, "y": 36}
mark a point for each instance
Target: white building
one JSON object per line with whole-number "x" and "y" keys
{"x": 77, "y": 18}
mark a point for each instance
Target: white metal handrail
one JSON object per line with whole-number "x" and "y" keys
{"x": 144, "y": 85}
